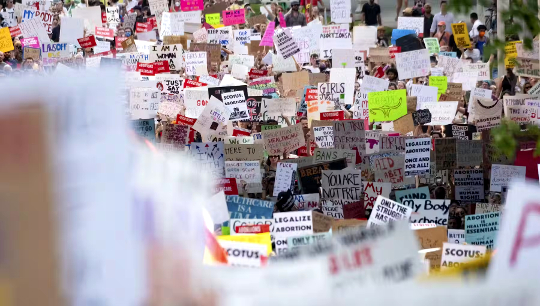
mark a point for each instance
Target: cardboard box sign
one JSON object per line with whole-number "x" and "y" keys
{"x": 310, "y": 176}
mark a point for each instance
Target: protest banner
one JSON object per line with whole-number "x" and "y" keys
{"x": 456, "y": 236}
{"x": 482, "y": 229}
{"x": 209, "y": 156}
{"x": 283, "y": 140}
{"x": 227, "y": 185}
{"x": 145, "y": 128}
{"x": 372, "y": 190}
{"x": 386, "y": 210}
{"x": 502, "y": 175}
{"x": 341, "y": 184}
{"x": 432, "y": 44}
{"x": 285, "y": 177}
{"x": 461, "y": 35}
{"x": 428, "y": 211}
{"x": 310, "y": 176}
{"x": 247, "y": 175}
{"x": 454, "y": 255}
{"x": 306, "y": 201}
{"x": 387, "y": 105}
{"x": 469, "y": 153}
{"x": 321, "y": 154}
{"x": 421, "y": 193}
{"x": 417, "y": 156}
{"x": 413, "y": 64}
{"x": 285, "y": 43}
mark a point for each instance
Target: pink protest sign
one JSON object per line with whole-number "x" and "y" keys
{"x": 31, "y": 42}
{"x": 268, "y": 34}
{"x": 192, "y": 5}
{"x": 282, "y": 20}
{"x": 234, "y": 17}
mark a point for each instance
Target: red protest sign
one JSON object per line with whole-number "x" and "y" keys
{"x": 253, "y": 229}
{"x": 119, "y": 41}
{"x": 185, "y": 120}
{"x": 87, "y": 42}
{"x": 334, "y": 116}
{"x": 145, "y": 68}
{"x": 161, "y": 67}
{"x": 105, "y": 33}
{"x": 312, "y": 94}
{"x": 302, "y": 151}
{"x": 190, "y": 83}
{"x": 15, "y": 31}
{"x": 234, "y": 17}
{"x": 102, "y": 54}
{"x": 152, "y": 21}
{"x": 393, "y": 51}
{"x": 237, "y": 132}
{"x": 227, "y": 185}
{"x": 255, "y": 73}
{"x": 144, "y": 27}
{"x": 103, "y": 18}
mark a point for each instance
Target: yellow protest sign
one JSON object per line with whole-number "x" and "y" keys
{"x": 263, "y": 238}
{"x": 510, "y": 52}
{"x": 387, "y": 105}
{"x": 461, "y": 35}
{"x": 440, "y": 82}
{"x": 213, "y": 18}
{"x": 6, "y": 44}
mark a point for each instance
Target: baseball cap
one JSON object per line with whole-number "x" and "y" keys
{"x": 295, "y": 3}
{"x": 441, "y": 23}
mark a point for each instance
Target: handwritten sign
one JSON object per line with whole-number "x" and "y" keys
{"x": 387, "y": 105}
{"x": 413, "y": 64}
{"x": 6, "y": 43}
{"x": 502, "y": 175}
{"x": 234, "y": 17}
{"x": 283, "y": 140}
{"x": 432, "y": 44}
{"x": 386, "y": 210}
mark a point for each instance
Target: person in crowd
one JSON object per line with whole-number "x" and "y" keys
{"x": 392, "y": 86}
{"x": 392, "y": 75}
{"x": 315, "y": 14}
{"x": 475, "y": 24}
{"x": 399, "y": 6}
{"x": 507, "y": 85}
{"x": 9, "y": 12}
{"x": 371, "y": 14}
{"x": 481, "y": 40}
{"x": 294, "y": 17}
{"x": 472, "y": 53}
{"x": 428, "y": 20}
{"x": 443, "y": 36}
{"x": 444, "y": 16}
{"x": 382, "y": 40}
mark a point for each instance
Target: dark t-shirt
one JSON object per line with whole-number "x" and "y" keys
{"x": 371, "y": 12}
{"x": 427, "y": 25}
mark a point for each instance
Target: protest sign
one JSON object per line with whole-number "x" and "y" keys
{"x": 244, "y": 152}
{"x": 369, "y": 84}
{"x": 413, "y": 64}
{"x": 246, "y": 208}
{"x": 145, "y": 128}
{"x": 242, "y": 254}
{"x": 469, "y": 185}
{"x": 441, "y": 82}
{"x": 341, "y": 184}
{"x": 349, "y": 134}
{"x": 441, "y": 113}
{"x": 177, "y": 135}
{"x": 456, "y": 236}
{"x": 421, "y": 193}
{"x": 453, "y": 93}
{"x": 32, "y": 53}
{"x": 432, "y": 44}
{"x": 484, "y": 208}
{"x": 454, "y": 255}
{"x": 305, "y": 240}
{"x": 324, "y": 136}
{"x": 247, "y": 174}
{"x": 423, "y": 93}
{"x": 211, "y": 116}
{"x": 388, "y": 167}
{"x": 289, "y": 224}
{"x": 482, "y": 229}
{"x": 461, "y": 35}
{"x": 31, "y": 42}
{"x": 266, "y": 40}
{"x": 372, "y": 190}
{"x": 412, "y": 23}
{"x": 209, "y": 157}
{"x": 234, "y": 17}
{"x": 236, "y": 103}
{"x": 194, "y": 59}
{"x": 432, "y": 238}
{"x": 334, "y": 37}
{"x": 87, "y": 42}
{"x": 417, "y": 156}
{"x": 310, "y": 176}
{"x": 387, "y": 105}
{"x": 340, "y": 11}
{"x": 278, "y": 107}
{"x": 372, "y": 142}
{"x": 285, "y": 177}
{"x": 502, "y": 175}
{"x": 227, "y": 185}
{"x": 104, "y": 33}
{"x": 236, "y": 223}
{"x": 283, "y": 140}
{"x": 306, "y": 201}
{"x": 34, "y": 28}
{"x": 334, "y": 208}
{"x": 421, "y": 116}
{"x": 510, "y": 52}
{"x": 345, "y": 58}
{"x": 172, "y": 24}
{"x": 144, "y": 103}
{"x": 113, "y": 15}
{"x": 386, "y": 210}
{"x": 469, "y": 153}
{"x": 285, "y": 43}
{"x": 6, "y": 44}
{"x": 45, "y": 17}
{"x": 445, "y": 153}
{"x": 429, "y": 211}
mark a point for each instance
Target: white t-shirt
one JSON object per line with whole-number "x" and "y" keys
{"x": 474, "y": 31}
{"x": 474, "y": 54}
{"x": 9, "y": 16}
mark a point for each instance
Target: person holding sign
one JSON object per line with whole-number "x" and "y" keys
{"x": 443, "y": 36}
{"x": 444, "y": 16}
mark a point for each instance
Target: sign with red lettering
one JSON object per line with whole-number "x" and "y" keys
{"x": 87, "y": 42}
{"x": 190, "y": 83}
{"x": 227, "y": 185}
{"x": 185, "y": 120}
{"x": 333, "y": 116}
{"x": 15, "y": 31}
{"x": 145, "y": 68}
{"x": 105, "y": 33}
{"x": 393, "y": 51}
{"x": 253, "y": 229}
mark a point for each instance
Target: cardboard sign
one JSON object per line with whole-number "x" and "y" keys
{"x": 421, "y": 193}
{"x": 386, "y": 210}
{"x": 87, "y": 42}
{"x": 413, "y": 64}
{"x": 429, "y": 211}
{"x": 388, "y": 167}
{"x": 247, "y": 174}
{"x": 234, "y": 17}
{"x": 387, "y": 105}
{"x": 341, "y": 184}
{"x": 417, "y": 156}
{"x": 209, "y": 157}
{"x": 482, "y": 229}
{"x": 431, "y": 238}
{"x": 454, "y": 254}
{"x": 284, "y": 140}
{"x": 461, "y": 35}
{"x": 469, "y": 185}
{"x": 502, "y": 175}
{"x": 445, "y": 153}
{"x": 32, "y": 53}
{"x": 310, "y": 176}
{"x": 469, "y": 153}
{"x": 285, "y": 177}
{"x": 176, "y": 135}
{"x": 372, "y": 190}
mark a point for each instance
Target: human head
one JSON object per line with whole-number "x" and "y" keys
{"x": 274, "y": 7}
{"x": 304, "y": 122}
{"x": 474, "y": 17}
{"x": 401, "y": 85}
{"x": 392, "y": 74}
{"x": 315, "y": 11}
{"x": 481, "y": 30}
{"x": 313, "y": 60}
{"x": 407, "y": 12}
{"x": 295, "y": 5}
{"x": 272, "y": 160}
{"x": 485, "y": 85}
{"x": 380, "y": 31}
{"x": 444, "y": 7}
{"x": 56, "y": 21}
{"x": 427, "y": 8}
{"x": 128, "y": 32}
{"x": 509, "y": 72}
{"x": 526, "y": 87}
{"x": 392, "y": 86}
{"x": 137, "y": 9}
{"x": 146, "y": 11}
{"x": 371, "y": 1}
{"x": 121, "y": 32}
{"x": 356, "y": 86}
{"x": 441, "y": 26}
{"x": 28, "y": 64}
{"x": 9, "y": 3}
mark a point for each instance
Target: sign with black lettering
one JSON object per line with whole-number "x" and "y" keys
{"x": 456, "y": 254}
{"x": 417, "y": 156}
{"x": 310, "y": 176}
{"x": 421, "y": 193}
{"x": 429, "y": 211}
{"x": 421, "y": 116}
{"x": 386, "y": 210}
{"x": 482, "y": 229}
{"x": 469, "y": 153}
{"x": 244, "y": 254}
{"x": 456, "y": 236}
{"x": 445, "y": 153}
{"x": 289, "y": 224}
{"x": 469, "y": 185}
{"x": 341, "y": 184}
